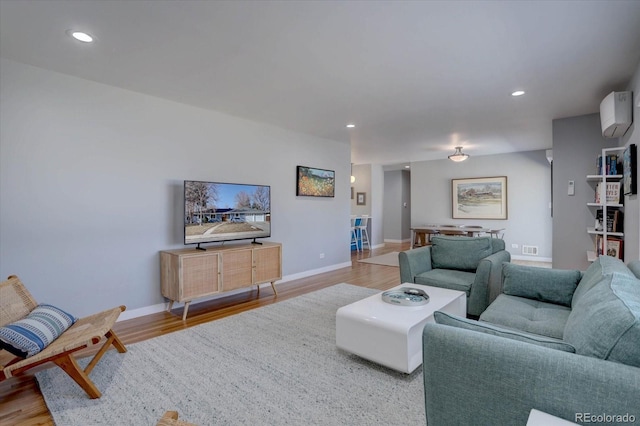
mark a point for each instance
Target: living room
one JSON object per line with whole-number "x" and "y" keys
{"x": 91, "y": 177}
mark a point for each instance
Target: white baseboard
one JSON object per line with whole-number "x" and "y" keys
{"x": 397, "y": 241}
{"x": 140, "y": 312}
{"x": 153, "y": 309}
{"x": 311, "y": 272}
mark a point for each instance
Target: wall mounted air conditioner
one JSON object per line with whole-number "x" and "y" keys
{"x": 615, "y": 114}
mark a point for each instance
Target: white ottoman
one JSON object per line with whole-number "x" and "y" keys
{"x": 391, "y": 335}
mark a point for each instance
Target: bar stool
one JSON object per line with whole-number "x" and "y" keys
{"x": 363, "y": 234}
{"x": 354, "y": 233}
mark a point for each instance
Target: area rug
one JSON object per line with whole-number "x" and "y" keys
{"x": 273, "y": 365}
{"x": 389, "y": 259}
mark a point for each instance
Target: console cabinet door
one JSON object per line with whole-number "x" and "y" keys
{"x": 236, "y": 269}
{"x": 267, "y": 264}
{"x": 199, "y": 275}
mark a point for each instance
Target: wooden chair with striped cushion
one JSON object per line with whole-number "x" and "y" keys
{"x": 16, "y": 303}
{"x": 170, "y": 418}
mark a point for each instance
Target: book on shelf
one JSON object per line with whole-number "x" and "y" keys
{"x": 614, "y": 247}
{"x": 609, "y": 166}
{"x": 612, "y": 193}
{"x": 614, "y": 221}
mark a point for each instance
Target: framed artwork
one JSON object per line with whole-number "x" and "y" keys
{"x": 361, "y": 198}
{"x": 312, "y": 182}
{"x": 630, "y": 170}
{"x": 479, "y": 198}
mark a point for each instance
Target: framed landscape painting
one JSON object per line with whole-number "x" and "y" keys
{"x": 312, "y": 182}
{"x": 479, "y": 198}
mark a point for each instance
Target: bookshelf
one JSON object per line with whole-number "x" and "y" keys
{"x": 607, "y": 207}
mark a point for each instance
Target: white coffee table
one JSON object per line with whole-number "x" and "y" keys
{"x": 391, "y": 335}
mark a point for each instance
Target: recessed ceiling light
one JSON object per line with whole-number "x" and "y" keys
{"x": 80, "y": 36}
{"x": 518, "y": 93}
{"x": 350, "y": 126}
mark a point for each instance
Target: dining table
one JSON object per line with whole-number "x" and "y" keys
{"x": 424, "y": 232}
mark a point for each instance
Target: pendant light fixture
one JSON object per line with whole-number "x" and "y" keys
{"x": 458, "y": 155}
{"x": 353, "y": 178}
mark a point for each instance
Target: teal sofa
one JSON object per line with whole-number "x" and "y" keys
{"x": 472, "y": 265}
{"x": 563, "y": 342}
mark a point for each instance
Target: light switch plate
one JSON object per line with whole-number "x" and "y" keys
{"x": 572, "y": 188}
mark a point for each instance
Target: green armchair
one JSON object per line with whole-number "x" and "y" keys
{"x": 472, "y": 265}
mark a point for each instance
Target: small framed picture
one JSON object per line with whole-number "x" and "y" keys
{"x": 361, "y": 198}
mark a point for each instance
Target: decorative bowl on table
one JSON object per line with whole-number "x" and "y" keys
{"x": 406, "y": 296}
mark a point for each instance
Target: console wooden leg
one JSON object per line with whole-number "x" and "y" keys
{"x": 186, "y": 309}
{"x": 170, "y": 306}
{"x": 273, "y": 286}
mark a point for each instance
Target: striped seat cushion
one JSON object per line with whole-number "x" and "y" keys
{"x": 30, "y": 335}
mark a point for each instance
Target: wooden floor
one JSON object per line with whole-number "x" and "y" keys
{"x": 21, "y": 402}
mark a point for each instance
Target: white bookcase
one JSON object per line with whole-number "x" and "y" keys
{"x": 600, "y": 182}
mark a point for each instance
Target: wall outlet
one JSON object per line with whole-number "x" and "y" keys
{"x": 321, "y": 255}
{"x": 515, "y": 246}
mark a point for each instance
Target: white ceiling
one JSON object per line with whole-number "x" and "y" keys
{"x": 416, "y": 77}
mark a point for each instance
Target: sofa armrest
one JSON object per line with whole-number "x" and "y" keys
{"x": 414, "y": 262}
{"x": 476, "y": 378}
{"x": 488, "y": 282}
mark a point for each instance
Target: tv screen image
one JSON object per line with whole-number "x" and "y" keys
{"x": 313, "y": 182}
{"x": 217, "y": 211}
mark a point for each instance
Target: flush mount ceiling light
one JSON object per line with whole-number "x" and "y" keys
{"x": 518, "y": 93}
{"x": 458, "y": 155}
{"x": 350, "y": 126}
{"x": 80, "y": 36}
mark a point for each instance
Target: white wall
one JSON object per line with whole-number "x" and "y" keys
{"x": 392, "y": 227}
{"x": 397, "y": 202}
{"x": 362, "y": 174}
{"x": 91, "y": 186}
{"x": 577, "y": 142}
{"x": 631, "y": 202}
{"x": 528, "y": 188}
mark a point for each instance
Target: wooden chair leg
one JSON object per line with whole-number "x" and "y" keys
{"x": 171, "y": 415}
{"x": 71, "y": 367}
{"x": 117, "y": 343}
{"x": 112, "y": 339}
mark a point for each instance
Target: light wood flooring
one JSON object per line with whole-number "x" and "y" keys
{"x": 21, "y": 402}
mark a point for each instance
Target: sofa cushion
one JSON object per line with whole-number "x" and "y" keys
{"x": 461, "y": 253}
{"x": 605, "y": 322}
{"x": 532, "y": 316}
{"x": 447, "y": 278}
{"x": 546, "y": 285}
{"x": 484, "y": 327}
{"x": 30, "y": 335}
{"x": 603, "y": 265}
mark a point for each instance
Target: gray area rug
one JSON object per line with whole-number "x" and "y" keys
{"x": 389, "y": 259}
{"x": 275, "y": 365}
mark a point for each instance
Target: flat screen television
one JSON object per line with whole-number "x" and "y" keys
{"x": 218, "y": 211}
